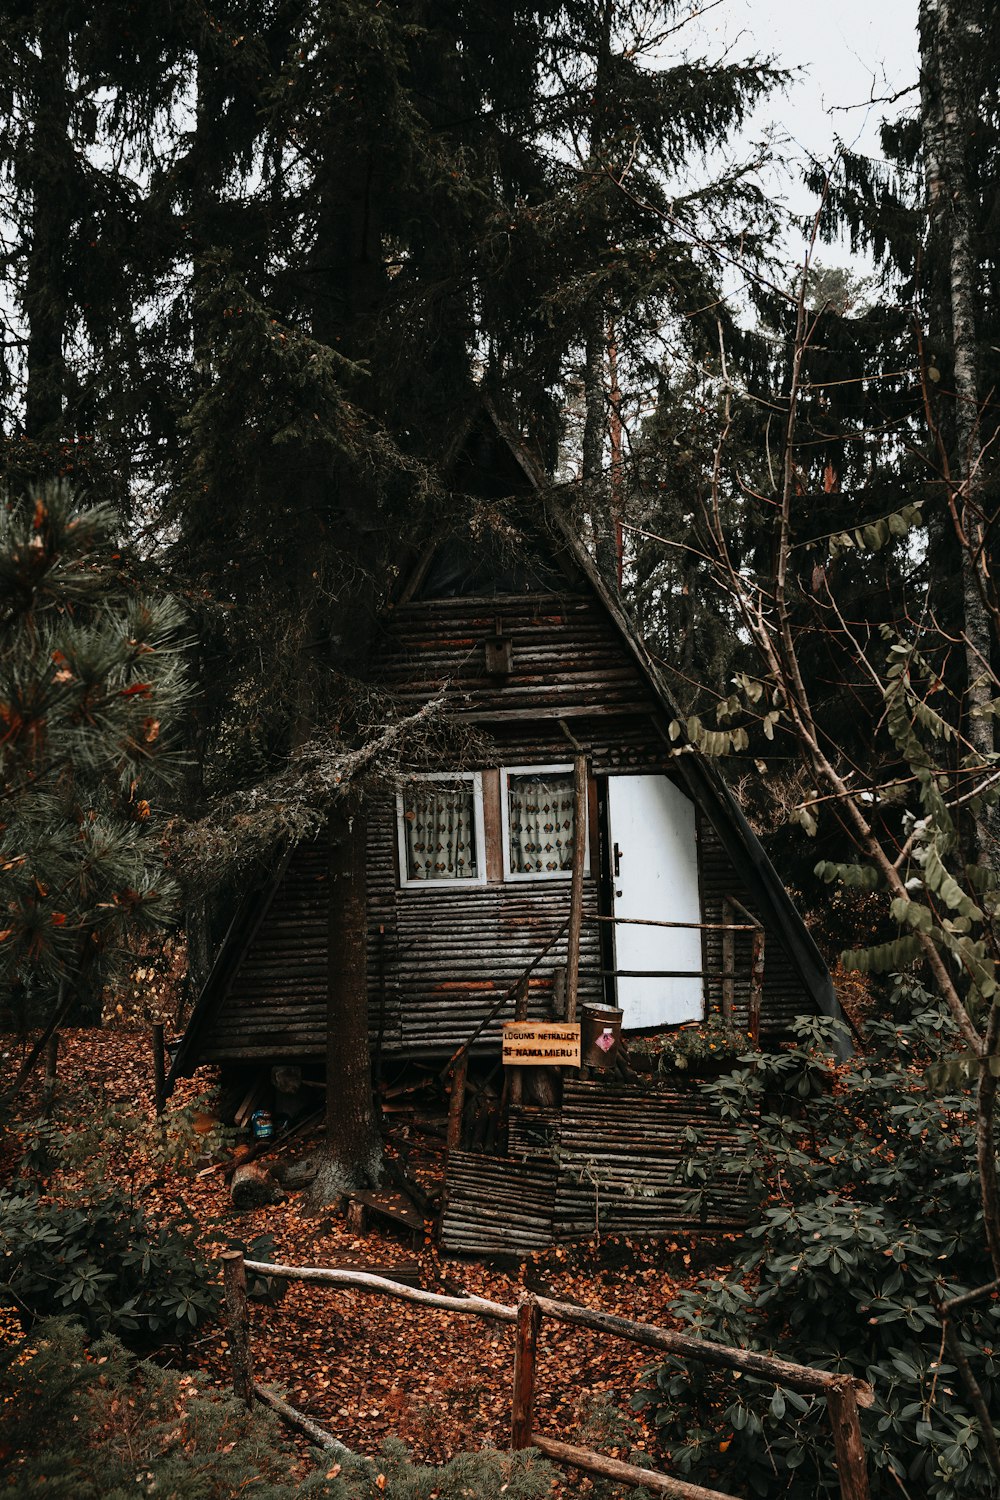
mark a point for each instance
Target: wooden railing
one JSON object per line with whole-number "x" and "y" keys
{"x": 729, "y": 927}
{"x": 844, "y": 1394}
{"x": 456, "y": 1068}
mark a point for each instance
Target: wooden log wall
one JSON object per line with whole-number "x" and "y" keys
{"x": 451, "y": 954}
{"x": 621, "y": 1153}
{"x": 457, "y": 954}
{"x": 276, "y": 1007}
{"x": 496, "y": 1206}
{"x": 783, "y": 999}
{"x": 567, "y": 658}
{"x": 440, "y": 959}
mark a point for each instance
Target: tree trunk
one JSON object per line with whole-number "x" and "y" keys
{"x": 352, "y": 1154}
{"x": 45, "y": 293}
{"x": 617, "y": 472}
{"x": 945, "y": 133}
{"x": 595, "y": 486}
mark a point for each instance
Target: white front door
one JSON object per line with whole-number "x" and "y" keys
{"x": 654, "y": 875}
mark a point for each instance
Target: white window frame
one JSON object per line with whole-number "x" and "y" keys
{"x": 506, "y": 772}
{"x": 461, "y": 882}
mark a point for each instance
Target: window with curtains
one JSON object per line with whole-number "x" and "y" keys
{"x": 538, "y": 823}
{"x": 440, "y": 822}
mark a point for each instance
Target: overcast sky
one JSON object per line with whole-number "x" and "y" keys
{"x": 847, "y": 51}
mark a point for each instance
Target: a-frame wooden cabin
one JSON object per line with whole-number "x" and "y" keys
{"x": 469, "y": 868}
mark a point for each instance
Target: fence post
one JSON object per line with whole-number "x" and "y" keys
{"x": 728, "y": 960}
{"x": 49, "y": 1086}
{"x": 159, "y": 1069}
{"x": 756, "y": 983}
{"x": 529, "y": 1318}
{"x": 580, "y": 818}
{"x": 234, "y": 1279}
{"x": 852, "y": 1469}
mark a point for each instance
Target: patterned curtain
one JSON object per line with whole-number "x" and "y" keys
{"x": 541, "y": 824}
{"x": 440, "y": 831}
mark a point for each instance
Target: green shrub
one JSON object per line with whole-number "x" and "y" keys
{"x": 101, "y": 1260}
{"x": 92, "y": 1424}
{"x": 89, "y": 1424}
{"x": 713, "y": 1043}
{"x": 866, "y": 1215}
{"x": 488, "y": 1475}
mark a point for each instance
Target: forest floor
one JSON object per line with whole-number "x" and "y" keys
{"x": 372, "y": 1368}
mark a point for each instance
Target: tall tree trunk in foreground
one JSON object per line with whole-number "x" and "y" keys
{"x": 595, "y": 487}
{"x": 337, "y": 542}
{"x": 616, "y": 477}
{"x": 352, "y": 1155}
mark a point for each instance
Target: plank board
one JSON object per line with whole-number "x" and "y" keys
{"x": 541, "y": 1044}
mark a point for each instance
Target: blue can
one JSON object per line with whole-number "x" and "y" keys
{"x": 262, "y": 1125}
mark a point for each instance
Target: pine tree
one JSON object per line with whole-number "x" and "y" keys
{"x": 627, "y": 247}
{"x": 91, "y": 688}
{"x": 81, "y": 92}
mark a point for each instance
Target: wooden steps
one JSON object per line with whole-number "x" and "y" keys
{"x": 390, "y": 1210}
{"x": 407, "y": 1272}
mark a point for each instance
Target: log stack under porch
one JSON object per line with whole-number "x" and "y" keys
{"x": 610, "y": 1160}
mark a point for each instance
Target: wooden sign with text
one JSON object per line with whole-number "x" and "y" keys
{"x": 541, "y": 1044}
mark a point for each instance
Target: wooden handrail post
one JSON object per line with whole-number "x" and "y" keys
{"x": 576, "y": 887}
{"x": 852, "y": 1470}
{"x": 728, "y": 960}
{"x": 515, "y": 1076}
{"x": 234, "y": 1279}
{"x": 756, "y": 983}
{"x": 456, "y": 1105}
{"x": 159, "y": 1069}
{"x": 529, "y": 1318}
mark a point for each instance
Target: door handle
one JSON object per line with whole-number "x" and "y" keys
{"x": 618, "y": 855}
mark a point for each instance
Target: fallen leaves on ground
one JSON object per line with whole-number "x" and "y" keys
{"x": 368, "y": 1366}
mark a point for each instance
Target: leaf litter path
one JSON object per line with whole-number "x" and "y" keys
{"x": 371, "y": 1367}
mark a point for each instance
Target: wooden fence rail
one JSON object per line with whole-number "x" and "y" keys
{"x": 844, "y": 1394}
